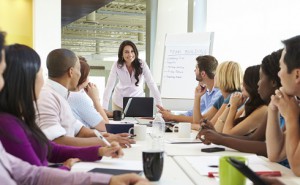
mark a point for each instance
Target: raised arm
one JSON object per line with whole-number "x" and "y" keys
{"x": 219, "y": 124}
{"x": 275, "y": 138}
{"x": 93, "y": 92}
{"x": 289, "y": 109}
{"x": 253, "y": 121}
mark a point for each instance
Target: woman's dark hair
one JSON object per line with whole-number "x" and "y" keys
{"x": 251, "y": 78}
{"x": 18, "y": 95}
{"x": 270, "y": 66}
{"x": 84, "y": 70}
{"x": 136, "y": 64}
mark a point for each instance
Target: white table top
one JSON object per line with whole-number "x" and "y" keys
{"x": 177, "y": 170}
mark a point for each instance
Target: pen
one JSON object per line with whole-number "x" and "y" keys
{"x": 102, "y": 138}
{"x": 131, "y": 136}
{"x": 264, "y": 173}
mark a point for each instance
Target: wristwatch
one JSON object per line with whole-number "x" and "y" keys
{"x": 228, "y": 105}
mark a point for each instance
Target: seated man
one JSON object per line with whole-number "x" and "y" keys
{"x": 55, "y": 117}
{"x": 282, "y": 145}
{"x": 205, "y": 73}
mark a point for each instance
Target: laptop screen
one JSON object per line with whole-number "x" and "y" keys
{"x": 138, "y": 106}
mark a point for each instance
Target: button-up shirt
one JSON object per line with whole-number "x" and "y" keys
{"x": 207, "y": 101}
{"x": 126, "y": 86}
{"x": 54, "y": 115}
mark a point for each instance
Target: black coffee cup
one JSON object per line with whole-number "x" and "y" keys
{"x": 153, "y": 163}
{"x": 117, "y": 115}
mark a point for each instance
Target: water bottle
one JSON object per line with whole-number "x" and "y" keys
{"x": 158, "y": 132}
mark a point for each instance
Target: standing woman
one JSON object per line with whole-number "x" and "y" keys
{"x": 131, "y": 73}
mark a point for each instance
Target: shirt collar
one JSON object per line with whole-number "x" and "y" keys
{"x": 60, "y": 89}
{"x": 214, "y": 89}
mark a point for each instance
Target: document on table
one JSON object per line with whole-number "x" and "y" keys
{"x": 183, "y": 141}
{"x": 122, "y": 122}
{"x": 195, "y": 150}
{"x": 210, "y": 164}
{"x": 109, "y": 163}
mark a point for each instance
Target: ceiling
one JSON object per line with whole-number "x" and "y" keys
{"x": 101, "y": 32}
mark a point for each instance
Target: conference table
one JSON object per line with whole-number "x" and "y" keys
{"x": 182, "y": 162}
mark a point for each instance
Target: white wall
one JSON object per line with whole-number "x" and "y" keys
{"x": 246, "y": 31}
{"x": 171, "y": 18}
{"x": 46, "y": 28}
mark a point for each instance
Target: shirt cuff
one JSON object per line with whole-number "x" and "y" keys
{"x": 54, "y": 132}
{"x": 77, "y": 126}
{"x": 100, "y": 178}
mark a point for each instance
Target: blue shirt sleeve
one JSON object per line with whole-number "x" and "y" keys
{"x": 189, "y": 113}
{"x": 226, "y": 101}
{"x": 83, "y": 109}
{"x": 219, "y": 103}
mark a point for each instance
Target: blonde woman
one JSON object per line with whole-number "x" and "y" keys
{"x": 228, "y": 79}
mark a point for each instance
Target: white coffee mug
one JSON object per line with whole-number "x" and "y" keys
{"x": 184, "y": 129}
{"x": 140, "y": 132}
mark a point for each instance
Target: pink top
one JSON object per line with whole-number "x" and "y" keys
{"x": 126, "y": 85}
{"x": 15, "y": 171}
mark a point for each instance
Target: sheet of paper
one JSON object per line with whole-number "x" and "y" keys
{"x": 182, "y": 141}
{"x": 205, "y": 164}
{"x": 110, "y": 163}
{"x": 122, "y": 122}
{"x": 195, "y": 150}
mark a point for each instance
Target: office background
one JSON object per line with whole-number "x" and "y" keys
{"x": 245, "y": 31}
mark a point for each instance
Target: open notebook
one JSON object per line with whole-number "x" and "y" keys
{"x": 183, "y": 141}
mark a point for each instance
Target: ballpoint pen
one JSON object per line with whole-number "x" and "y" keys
{"x": 102, "y": 138}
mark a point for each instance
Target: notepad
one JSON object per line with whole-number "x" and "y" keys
{"x": 183, "y": 141}
{"x": 115, "y": 171}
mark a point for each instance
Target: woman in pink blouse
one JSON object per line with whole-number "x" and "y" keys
{"x": 131, "y": 73}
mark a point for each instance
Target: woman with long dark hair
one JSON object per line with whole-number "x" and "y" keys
{"x": 131, "y": 73}
{"x": 20, "y": 135}
{"x": 254, "y": 112}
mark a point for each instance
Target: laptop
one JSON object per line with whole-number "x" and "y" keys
{"x": 138, "y": 106}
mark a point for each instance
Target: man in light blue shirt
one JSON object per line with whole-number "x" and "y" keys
{"x": 207, "y": 100}
{"x": 205, "y": 73}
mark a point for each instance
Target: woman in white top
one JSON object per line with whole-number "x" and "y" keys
{"x": 131, "y": 73}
